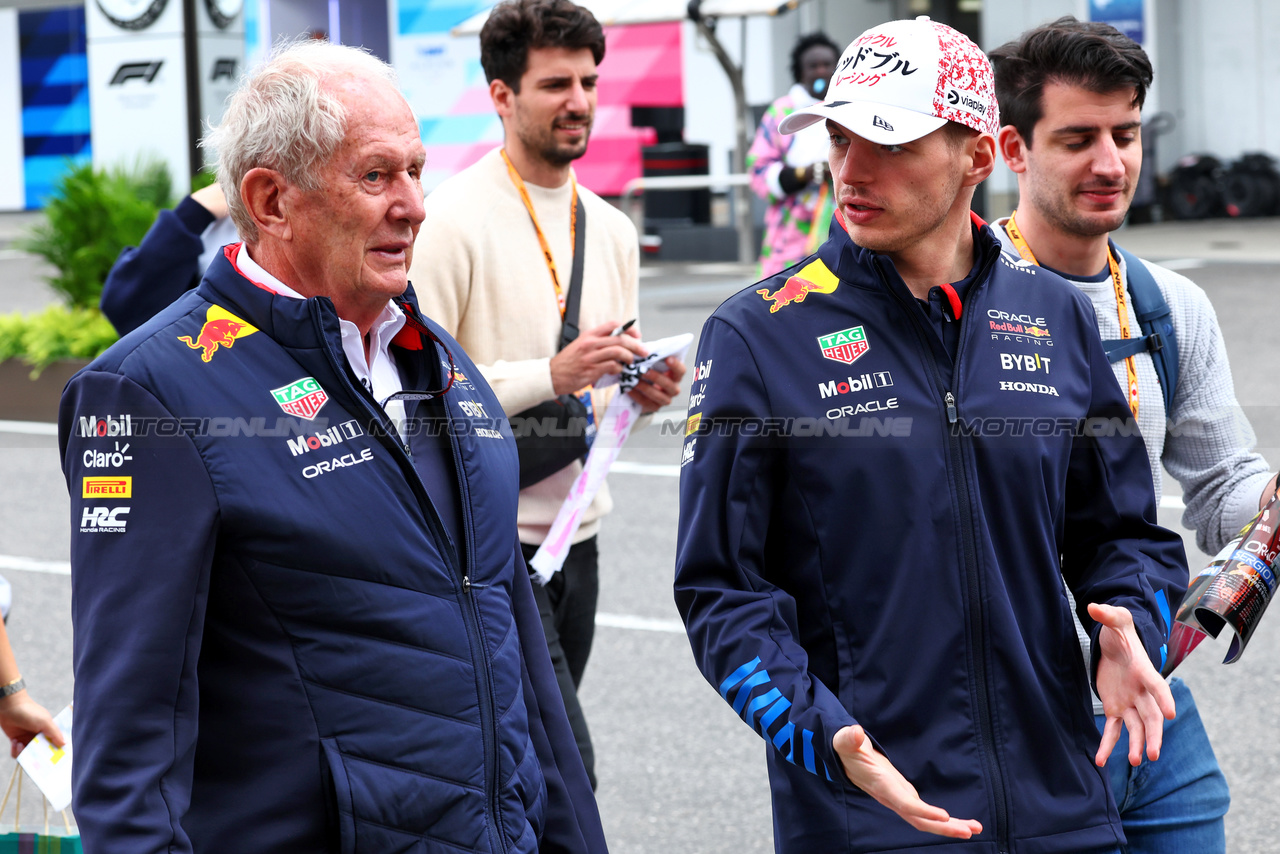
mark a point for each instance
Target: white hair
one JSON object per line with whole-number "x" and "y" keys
{"x": 282, "y": 117}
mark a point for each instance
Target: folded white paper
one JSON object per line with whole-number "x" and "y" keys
{"x": 50, "y": 767}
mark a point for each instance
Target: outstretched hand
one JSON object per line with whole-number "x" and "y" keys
{"x": 872, "y": 772}
{"x": 1131, "y": 690}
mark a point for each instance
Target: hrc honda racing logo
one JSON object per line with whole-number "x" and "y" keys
{"x": 103, "y": 520}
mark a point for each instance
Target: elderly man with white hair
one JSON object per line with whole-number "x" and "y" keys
{"x": 302, "y": 619}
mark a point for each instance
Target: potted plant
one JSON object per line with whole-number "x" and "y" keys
{"x": 91, "y": 216}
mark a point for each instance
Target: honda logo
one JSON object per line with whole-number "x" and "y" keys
{"x": 127, "y": 71}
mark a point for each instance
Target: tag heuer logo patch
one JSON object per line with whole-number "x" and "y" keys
{"x": 881, "y": 123}
{"x": 844, "y": 346}
{"x": 302, "y": 398}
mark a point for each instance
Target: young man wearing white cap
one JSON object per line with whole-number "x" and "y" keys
{"x": 878, "y": 511}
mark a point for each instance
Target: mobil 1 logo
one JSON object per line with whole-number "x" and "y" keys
{"x": 853, "y": 385}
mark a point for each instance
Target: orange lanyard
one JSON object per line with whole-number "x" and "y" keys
{"x": 542, "y": 239}
{"x": 1122, "y": 306}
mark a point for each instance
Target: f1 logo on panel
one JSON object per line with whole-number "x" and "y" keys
{"x": 224, "y": 68}
{"x": 144, "y": 71}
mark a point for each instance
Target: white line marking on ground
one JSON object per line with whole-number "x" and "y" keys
{"x": 657, "y": 469}
{"x": 729, "y": 268}
{"x": 32, "y": 428}
{"x": 1182, "y": 263}
{"x": 30, "y": 564}
{"x": 1172, "y": 502}
{"x": 644, "y": 624}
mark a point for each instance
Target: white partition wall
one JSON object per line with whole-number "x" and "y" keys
{"x": 12, "y": 195}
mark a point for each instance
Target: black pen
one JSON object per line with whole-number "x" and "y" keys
{"x": 623, "y": 328}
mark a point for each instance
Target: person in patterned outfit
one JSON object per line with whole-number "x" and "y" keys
{"x": 789, "y": 171}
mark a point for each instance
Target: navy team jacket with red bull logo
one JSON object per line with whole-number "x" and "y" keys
{"x": 279, "y": 644}
{"x": 872, "y": 533}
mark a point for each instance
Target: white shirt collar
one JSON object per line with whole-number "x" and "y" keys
{"x": 378, "y": 373}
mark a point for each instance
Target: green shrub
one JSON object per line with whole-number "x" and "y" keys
{"x": 58, "y": 332}
{"x": 92, "y": 215}
{"x": 203, "y": 178}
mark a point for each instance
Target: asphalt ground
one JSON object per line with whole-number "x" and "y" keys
{"x": 678, "y": 771}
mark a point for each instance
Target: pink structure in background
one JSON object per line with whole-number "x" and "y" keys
{"x": 642, "y": 67}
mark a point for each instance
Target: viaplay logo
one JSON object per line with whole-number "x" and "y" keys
{"x": 967, "y": 102}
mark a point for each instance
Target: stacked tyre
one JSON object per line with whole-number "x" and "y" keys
{"x": 1251, "y": 187}
{"x": 1201, "y": 187}
{"x": 1194, "y": 189}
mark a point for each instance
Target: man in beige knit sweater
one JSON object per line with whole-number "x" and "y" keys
{"x": 492, "y": 266}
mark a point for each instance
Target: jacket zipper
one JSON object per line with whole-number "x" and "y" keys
{"x": 973, "y": 579}
{"x": 484, "y": 680}
{"x": 462, "y": 575}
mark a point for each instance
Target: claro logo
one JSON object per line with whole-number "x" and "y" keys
{"x": 144, "y": 71}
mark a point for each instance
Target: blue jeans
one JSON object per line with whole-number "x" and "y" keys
{"x": 1174, "y": 805}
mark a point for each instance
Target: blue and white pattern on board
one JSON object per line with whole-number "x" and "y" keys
{"x": 55, "y": 97}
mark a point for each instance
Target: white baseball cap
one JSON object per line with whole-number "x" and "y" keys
{"x": 904, "y": 79}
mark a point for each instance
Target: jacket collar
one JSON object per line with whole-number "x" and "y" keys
{"x": 863, "y": 267}
{"x": 286, "y": 319}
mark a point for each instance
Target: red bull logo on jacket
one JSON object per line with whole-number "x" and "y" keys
{"x": 221, "y": 329}
{"x": 812, "y": 278}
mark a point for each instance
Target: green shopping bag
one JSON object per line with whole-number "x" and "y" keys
{"x": 65, "y": 840}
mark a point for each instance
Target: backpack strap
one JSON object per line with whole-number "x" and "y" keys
{"x": 569, "y": 328}
{"x": 1156, "y": 323}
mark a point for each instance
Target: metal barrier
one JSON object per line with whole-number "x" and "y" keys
{"x": 637, "y": 186}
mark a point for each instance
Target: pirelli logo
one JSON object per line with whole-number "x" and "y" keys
{"x": 107, "y": 487}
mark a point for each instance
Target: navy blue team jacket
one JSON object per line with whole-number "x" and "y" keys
{"x": 873, "y": 533}
{"x": 280, "y": 645}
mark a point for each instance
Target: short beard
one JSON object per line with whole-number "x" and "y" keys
{"x": 544, "y": 145}
{"x": 1066, "y": 218}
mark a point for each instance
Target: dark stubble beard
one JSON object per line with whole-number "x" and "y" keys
{"x": 1059, "y": 212}
{"x": 542, "y": 141}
